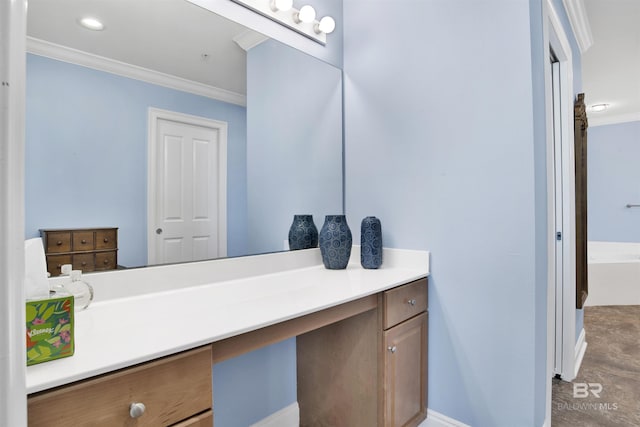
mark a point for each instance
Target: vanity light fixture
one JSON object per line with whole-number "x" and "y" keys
{"x": 326, "y": 25}
{"x": 596, "y": 108}
{"x": 283, "y": 5}
{"x": 306, "y": 14}
{"x": 91, "y": 23}
{"x": 302, "y": 21}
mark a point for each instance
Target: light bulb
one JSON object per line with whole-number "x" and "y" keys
{"x": 306, "y": 14}
{"x": 282, "y": 5}
{"x": 326, "y": 25}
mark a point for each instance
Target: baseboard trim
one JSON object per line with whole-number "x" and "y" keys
{"x": 436, "y": 419}
{"x": 289, "y": 416}
{"x": 581, "y": 348}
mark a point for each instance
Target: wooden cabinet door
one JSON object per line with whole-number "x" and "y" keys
{"x": 405, "y": 373}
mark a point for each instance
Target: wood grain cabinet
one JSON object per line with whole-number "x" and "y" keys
{"x": 405, "y": 354}
{"x": 172, "y": 391}
{"x": 369, "y": 369}
{"x": 87, "y": 249}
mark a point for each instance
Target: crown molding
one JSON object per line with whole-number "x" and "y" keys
{"x": 249, "y": 39}
{"x": 612, "y": 120}
{"x": 579, "y": 20}
{"x": 96, "y": 62}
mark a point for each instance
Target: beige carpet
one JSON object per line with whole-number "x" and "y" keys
{"x": 606, "y": 392}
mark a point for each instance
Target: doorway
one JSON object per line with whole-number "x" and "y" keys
{"x": 186, "y": 191}
{"x": 565, "y": 348}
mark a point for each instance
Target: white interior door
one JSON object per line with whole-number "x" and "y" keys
{"x": 187, "y": 198}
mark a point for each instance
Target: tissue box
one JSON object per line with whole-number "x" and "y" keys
{"x": 49, "y": 329}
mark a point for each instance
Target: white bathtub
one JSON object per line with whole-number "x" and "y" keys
{"x": 614, "y": 273}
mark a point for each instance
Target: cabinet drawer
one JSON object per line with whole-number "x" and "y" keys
{"x": 55, "y": 262}
{"x": 84, "y": 262}
{"x": 106, "y": 239}
{"x": 82, "y": 240}
{"x": 106, "y": 260}
{"x": 58, "y": 241}
{"x": 404, "y": 302}
{"x": 202, "y": 420}
{"x": 172, "y": 390}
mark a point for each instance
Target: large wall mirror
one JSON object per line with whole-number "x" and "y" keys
{"x": 100, "y": 104}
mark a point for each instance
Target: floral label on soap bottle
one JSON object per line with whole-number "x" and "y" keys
{"x": 49, "y": 329}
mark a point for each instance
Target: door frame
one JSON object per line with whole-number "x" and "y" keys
{"x": 156, "y": 114}
{"x": 554, "y": 37}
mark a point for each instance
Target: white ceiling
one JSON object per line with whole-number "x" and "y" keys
{"x": 169, "y": 36}
{"x": 611, "y": 66}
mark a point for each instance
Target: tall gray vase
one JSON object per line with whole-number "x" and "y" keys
{"x": 371, "y": 243}
{"x": 335, "y": 242}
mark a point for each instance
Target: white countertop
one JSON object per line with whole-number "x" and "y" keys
{"x": 120, "y": 331}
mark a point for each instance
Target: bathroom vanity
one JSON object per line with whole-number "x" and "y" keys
{"x": 361, "y": 346}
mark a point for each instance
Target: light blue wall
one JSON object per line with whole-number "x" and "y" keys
{"x": 292, "y": 168}
{"x": 443, "y": 144}
{"x": 539, "y": 58}
{"x": 613, "y": 174}
{"x": 294, "y": 142}
{"x": 253, "y": 386}
{"x": 86, "y": 152}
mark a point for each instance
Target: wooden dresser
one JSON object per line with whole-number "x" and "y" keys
{"x": 87, "y": 249}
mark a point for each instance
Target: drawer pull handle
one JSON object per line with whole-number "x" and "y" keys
{"x": 106, "y": 240}
{"x": 59, "y": 243}
{"x": 106, "y": 261}
{"x": 83, "y": 241}
{"x": 411, "y": 302}
{"x": 136, "y": 409}
{"x": 84, "y": 263}
{"x": 392, "y": 348}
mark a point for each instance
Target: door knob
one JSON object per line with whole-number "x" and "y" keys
{"x": 158, "y": 230}
{"x": 392, "y": 349}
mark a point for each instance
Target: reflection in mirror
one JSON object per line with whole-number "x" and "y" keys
{"x": 92, "y": 97}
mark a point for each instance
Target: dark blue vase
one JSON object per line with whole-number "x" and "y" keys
{"x": 335, "y": 242}
{"x": 303, "y": 233}
{"x": 371, "y": 243}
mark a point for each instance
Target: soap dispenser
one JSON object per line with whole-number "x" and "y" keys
{"x": 80, "y": 289}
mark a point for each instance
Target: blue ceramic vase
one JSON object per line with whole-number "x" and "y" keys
{"x": 303, "y": 233}
{"x": 371, "y": 243}
{"x": 335, "y": 242}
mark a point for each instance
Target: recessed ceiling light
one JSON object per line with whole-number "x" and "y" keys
{"x": 596, "y": 108}
{"x": 91, "y": 23}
